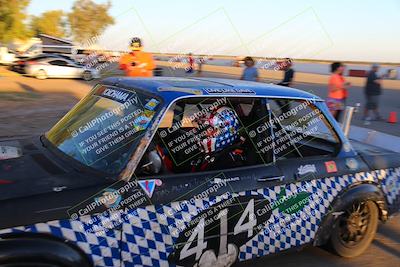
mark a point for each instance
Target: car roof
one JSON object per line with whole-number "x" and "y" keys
{"x": 171, "y": 88}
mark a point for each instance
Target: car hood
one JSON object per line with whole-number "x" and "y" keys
{"x": 27, "y": 168}
{"x": 376, "y": 157}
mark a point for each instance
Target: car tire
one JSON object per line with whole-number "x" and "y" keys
{"x": 41, "y": 75}
{"x": 87, "y": 75}
{"x": 355, "y": 229}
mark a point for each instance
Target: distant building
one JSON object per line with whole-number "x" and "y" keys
{"x": 51, "y": 40}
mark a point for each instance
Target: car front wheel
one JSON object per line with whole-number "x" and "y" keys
{"x": 355, "y": 229}
{"x": 41, "y": 75}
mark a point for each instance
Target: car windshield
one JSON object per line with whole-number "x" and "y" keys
{"x": 105, "y": 127}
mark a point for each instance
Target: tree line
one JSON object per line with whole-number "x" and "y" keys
{"x": 85, "y": 20}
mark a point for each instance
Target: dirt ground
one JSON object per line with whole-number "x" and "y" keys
{"x": 29, "y": 106}
{"x": 31, "y": 114}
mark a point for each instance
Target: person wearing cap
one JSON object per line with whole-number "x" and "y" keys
{"x": 337, "y": 91}
{"x": 372, "y": 92}
{"x": 137, "y": 63}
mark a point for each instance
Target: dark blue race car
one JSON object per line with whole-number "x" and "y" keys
{"x": 190, "y": 172}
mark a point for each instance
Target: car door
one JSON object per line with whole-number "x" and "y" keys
{"x": 204, "y": 216}
{"x": 318, "y": 165}
{"x": 61, "y": 68}
{"x": 57, "y": 68}
{"x": 309, "y": 147}
{"x": 74, "y": 70}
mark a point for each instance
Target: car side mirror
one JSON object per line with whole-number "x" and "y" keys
{"x": 152, "y": 164}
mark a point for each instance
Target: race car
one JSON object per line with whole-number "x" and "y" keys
{"x": 170, "y": 171}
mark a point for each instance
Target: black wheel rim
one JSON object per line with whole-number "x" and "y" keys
{"x": 353, "y": 224}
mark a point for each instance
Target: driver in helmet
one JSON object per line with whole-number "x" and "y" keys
{"x": 137, "y": 63}
{"x": 219, "y": 140}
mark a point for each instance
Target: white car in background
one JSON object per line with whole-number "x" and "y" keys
{"x": 6, "y": 56}
{"x": 59, "y": 68}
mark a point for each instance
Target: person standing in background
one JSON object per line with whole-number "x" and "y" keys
{"x": 137, "y": 63}
{"x": 191, "y": 63}
{"x": 372, "y": 92}
{"x": 288, "y": 82}
{"x": 288, "y": 73}
{"x": 250, "y": 72}
{"x": 337, "y": 92}
{"x": 200, "y": 62}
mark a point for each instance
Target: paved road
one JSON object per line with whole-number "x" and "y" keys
{"x": 385, "y": 249}
{"x": 29, "y": 106}
{"x": 383, "y": 252}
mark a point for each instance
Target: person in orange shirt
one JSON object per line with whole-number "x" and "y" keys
{"x": 337, "y": 91}
{"x": 137, "y": 63}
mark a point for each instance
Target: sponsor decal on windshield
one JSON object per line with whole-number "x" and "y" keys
{"x": 152, "y": 104}
{"x": 115, "y": 94}
{"x": 141, "y": 123}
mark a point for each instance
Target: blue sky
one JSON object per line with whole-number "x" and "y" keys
{"x": 364, "y": 30}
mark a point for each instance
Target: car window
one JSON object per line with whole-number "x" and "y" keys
{"x": 104, "y": 128}
{"x": 71, "y": 64}
{"x": 202, "y": 134}
{"x": 38, "y": 57}
{"x": 58, "y": 62}
{"x": 32, "y": 48}
{"x": 300, "y": 129}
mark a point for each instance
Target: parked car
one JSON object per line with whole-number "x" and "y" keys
{"x": 7, "y": 57}
{"x": 59, "y": 68}
{"x": 190, "y": 172}
{"x": 19, "y": 64}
